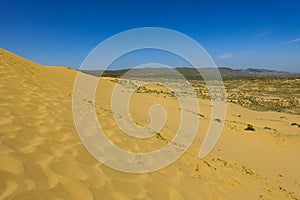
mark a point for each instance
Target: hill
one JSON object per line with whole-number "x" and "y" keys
{"x": 193, "y": 74}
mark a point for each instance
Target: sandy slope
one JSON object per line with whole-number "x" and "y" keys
{"x": 41, "y": 156}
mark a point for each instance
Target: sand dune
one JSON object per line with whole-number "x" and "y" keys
{"x": 42, "y": 157}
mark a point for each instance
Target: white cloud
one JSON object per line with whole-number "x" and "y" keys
{"x": 225, "y": 56}
{"x": 293, "y": 41}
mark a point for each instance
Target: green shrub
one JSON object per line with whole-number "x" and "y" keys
{"x": 250, "y": 128}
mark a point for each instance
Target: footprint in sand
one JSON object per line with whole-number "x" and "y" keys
{"x": 11, "y": 164}
{"x": 6, "y": 120}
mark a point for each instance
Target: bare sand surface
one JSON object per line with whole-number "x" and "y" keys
{"x": 42, "y": 157}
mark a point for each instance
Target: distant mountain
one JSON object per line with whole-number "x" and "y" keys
{"x": 228, "y": 73}
{"x": 266, "y": 71}
{"x": 193, "y": 74}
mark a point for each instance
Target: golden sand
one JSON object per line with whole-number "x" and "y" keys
{"x": 42, "y": 157}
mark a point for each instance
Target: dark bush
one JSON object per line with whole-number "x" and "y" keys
{"x": 250, "y": 128}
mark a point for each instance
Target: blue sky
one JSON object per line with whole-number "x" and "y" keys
{"x": 239, "y": 34}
